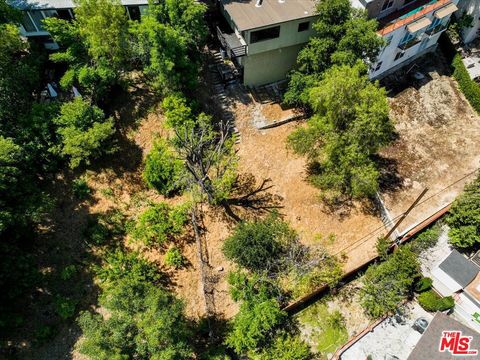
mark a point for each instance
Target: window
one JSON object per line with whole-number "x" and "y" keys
{"x": 134, "y": 12}
{"x": 37, "y": 19}
{"x": 399, "y": 55}
{"x": 408, "y": 2}
{"x": 387, "y": 4}
{"x": 389, "y": 40}
{"x": 408, "y": 36}
{"x": 64, "y": 14}
{"x": 27, "y": 23}
{"x": 265, "y": 34}
{"x": 304, "y": 26}
{"x": 379, "y": 65}
{"x": 436, "y": 21}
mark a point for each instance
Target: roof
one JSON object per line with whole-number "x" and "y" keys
{"x": 459, "y": 268}
{"x": 473, "y": 289}
{"x": 60, "y": 4}
{"x": 247, "y": 16}
{"x": 409, "y": 13}
{"x": 428, "y": 346}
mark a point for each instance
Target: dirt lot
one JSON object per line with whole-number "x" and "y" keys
{"x": 439, "y": 138}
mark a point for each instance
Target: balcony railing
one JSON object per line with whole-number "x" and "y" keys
{"x": 437, "y": 29}
{"x": 410, "y": 43}
{"x": 232, "y": 45}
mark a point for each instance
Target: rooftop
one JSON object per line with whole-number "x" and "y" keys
{"x": 60, "y": 4}
{"x": 459, "y": 268}
{"x": 428, "y": 346}
{"x": 246, "y": 15}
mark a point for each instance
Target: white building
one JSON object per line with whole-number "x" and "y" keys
{"x": 472, "y": 8}
{"x": 411, "y": 28}
{"x": 459, "y": 277}
{"x": 35, "y": 11}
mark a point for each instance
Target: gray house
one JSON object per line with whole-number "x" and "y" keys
{"x": 266, "y": 36}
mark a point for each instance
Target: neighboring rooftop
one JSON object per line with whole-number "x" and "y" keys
{"x": 246, "y": 15}
{"x": 459, "y": 268}
{"x": 428, "y": 346}
{"x": 60, "y": 4}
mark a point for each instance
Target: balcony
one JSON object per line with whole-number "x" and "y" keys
{"x": 232, "y": 44}
{"x": 437, "y": 29}
{"x": 407, "y": 45}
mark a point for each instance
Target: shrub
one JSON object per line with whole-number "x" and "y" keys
{"x": 426, "y": 239}
{"x": 174, "y": 258}
{"x": 383, "y": 245}
{"x": 68, "y": 272}
{"x": 423, "y": 284}
{"x": 177, "y": 111}
{"x": 97, "y": 233}
{"x": 65, "y": 307}
{"x": 431, "y": 301}
{"x": 163, "y": 171}
{"x": 160, "y": 223}
{"x": 284, "y": 347}
{"x": 259, "y": 245}
{"x": 470, "y": 88}
{"x": 83, "y": 131}
{"x": 80, "y": 188}
{"x": 464, "y": 217}
{"x": 388, "y": 283}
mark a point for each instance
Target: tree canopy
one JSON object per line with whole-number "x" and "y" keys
{"x": 464, "y": 217}
{"x": 350, "y": 124}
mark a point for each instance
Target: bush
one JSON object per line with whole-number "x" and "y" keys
{"x": 174, "y": 258}
{"x": 80, "y": 188}
{"x": 470, "y": 88}
{"x": 177, "y": 112}
{"x": 284, "y": 347}
{"x": 431, "y": 301}
{"x": 464, "y": 217}
{"x": 83, "y": 131}
{"x": 423, "y": 284}
{"x": 97, "y": 233}
{"x": 163, "y": 171}
{"x": 160, "y": 223}
{"x": 68, "y": 272}
{"x": 259, "y": 245}
{"x": 426, "y": 239}
{"x": 385, "y": 285}
{"x": 65, "y": 307}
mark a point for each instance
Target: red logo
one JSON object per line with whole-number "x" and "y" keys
{"x": 456, "y": 344}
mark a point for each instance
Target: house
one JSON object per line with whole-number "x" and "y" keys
{"x": 459, "y": 277}
{"x": 472, "y": 8}
{"x": 264, "y": 37}
{"x": 436, "y": 345}
{"x": 411, "y": 28}
{"x": 35, "y": 11}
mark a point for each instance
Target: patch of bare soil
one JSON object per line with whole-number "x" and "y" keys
{"x": 439, "y": 138}
{"x": 263, "y": 155}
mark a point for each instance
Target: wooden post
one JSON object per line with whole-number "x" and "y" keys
{"x": 405, "y": 214}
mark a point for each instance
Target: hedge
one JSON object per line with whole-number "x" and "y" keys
{"x": 431, "y": 301}
{"x": 423, "y": 285}
{"x": 470, "y": 88}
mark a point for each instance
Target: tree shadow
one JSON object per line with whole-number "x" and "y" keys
{"x": 390, "y": 179}
{"x": 250, "y": 199}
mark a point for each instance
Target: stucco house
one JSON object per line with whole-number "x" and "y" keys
{"x": 265, "y": 36}
{"x": 411, "y": 28}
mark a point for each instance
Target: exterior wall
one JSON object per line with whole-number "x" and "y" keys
{"x": 470, "y": 7}
{"x": 269, "y": 66}
{"x": 374, "y": 8}
{"x": 389, "y": 53}
{"x": 289, "y": 36}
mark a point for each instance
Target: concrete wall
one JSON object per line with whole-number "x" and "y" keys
{"x": 289, "y": 36}
{"x": 471, "y": 7}
{"x": 270, "y": 66}
{"x": 374, "y": 8}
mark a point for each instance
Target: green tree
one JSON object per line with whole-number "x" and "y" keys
{"x": 254, "y": 325}
{"x": 84, "y": 132}
{"x": 464, "y": 217}
{"x": 260, "y": 245}
{"x": 144, "y": 322}
{"x": 344, "y": 36}
{"x": 163, "y": 171}
{"x": 385, "y": 285}
{"x": 159, "y": 223}
{"x": 350, "y": 124}
{"x": 284, "y": 347}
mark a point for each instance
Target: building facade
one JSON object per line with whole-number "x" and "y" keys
{"x": 264, "y": 37}
{"x": 472, "y": 8}
{"x": 410, "y": 28}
